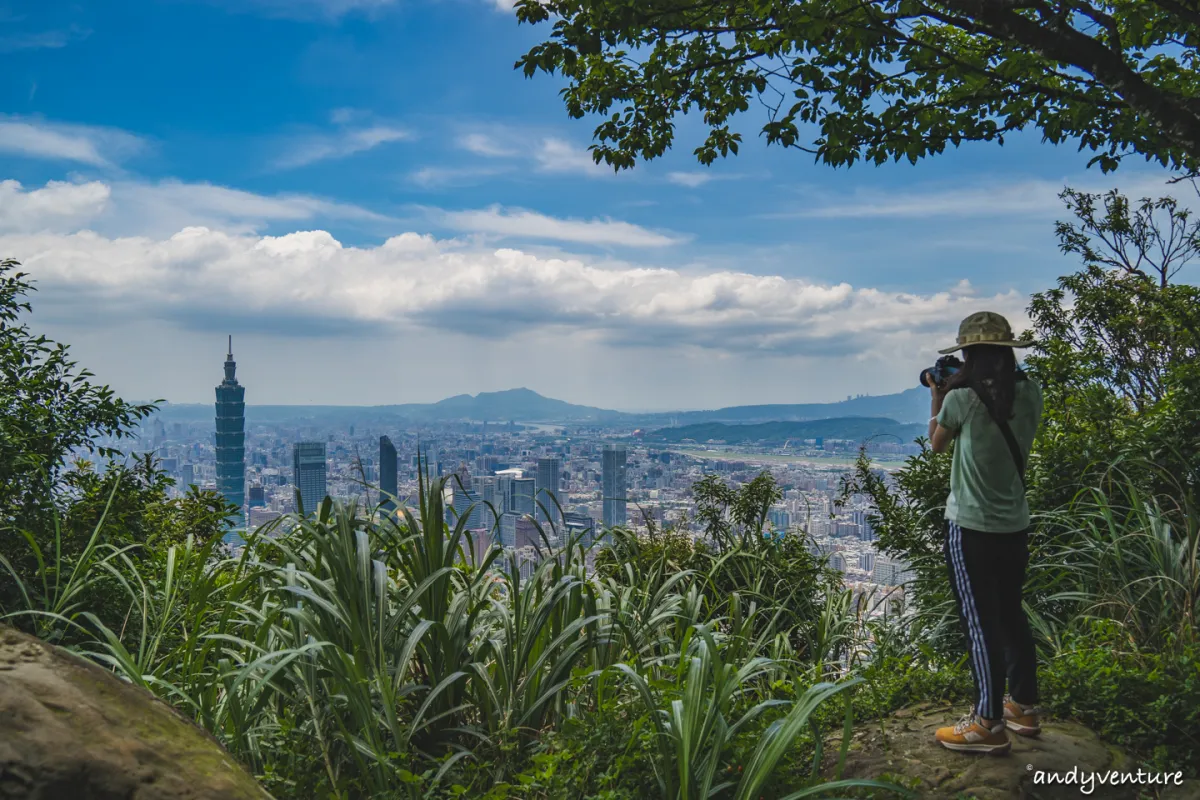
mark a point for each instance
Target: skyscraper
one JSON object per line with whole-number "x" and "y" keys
{"x": 308, "y": 474}
{"x": 548, "y": 472}
{"x": 464, "y": 501}
{"x": 490, "y": 502}
{"x": 613, "y": 490}
{"x": 387, "y": 472}
{"x": 231, "y": 438}
{"x": 522, "y": 496}
{"x": 431, "y": 457}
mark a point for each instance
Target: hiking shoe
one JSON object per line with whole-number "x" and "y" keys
{"x": 969, "y": 735}
{"x": 1024, "y": 720}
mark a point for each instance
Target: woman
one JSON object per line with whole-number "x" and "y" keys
{"x": 987, "y": 524}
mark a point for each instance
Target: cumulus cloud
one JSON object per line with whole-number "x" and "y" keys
{"x": 532, "y": 225}
{"x": 311, "y": 149}
{"x": 57, "y": 206}
{"x": 84, "y": 144}
{"x": 308, "y": 280}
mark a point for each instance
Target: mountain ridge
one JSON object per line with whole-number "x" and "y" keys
{"x": 525, "y": 405}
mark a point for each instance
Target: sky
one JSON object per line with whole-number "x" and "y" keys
{"x": 379, "y": 209}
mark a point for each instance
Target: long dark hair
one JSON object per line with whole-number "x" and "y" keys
{"x": 993, "y": 369}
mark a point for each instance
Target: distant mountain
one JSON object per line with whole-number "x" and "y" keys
{"x": 526, "y": 405}
{"x": 911, "y": 405}
{"x": 856, "y": 428}
{"x": 519, "y": 405}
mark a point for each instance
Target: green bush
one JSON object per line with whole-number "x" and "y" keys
{"x": 1144, "y": 700}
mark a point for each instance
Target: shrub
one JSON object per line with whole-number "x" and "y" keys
{"x": 1145, "y": 700}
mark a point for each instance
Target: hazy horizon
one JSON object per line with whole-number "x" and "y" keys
{"x": 662, "y": 410}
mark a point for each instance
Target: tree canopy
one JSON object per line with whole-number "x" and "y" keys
{"x": 879, "y": 80}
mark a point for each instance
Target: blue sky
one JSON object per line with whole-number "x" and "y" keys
{"x": 380, "y": 209}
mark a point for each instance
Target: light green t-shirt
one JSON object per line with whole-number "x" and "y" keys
{"x": 985, "y": 488}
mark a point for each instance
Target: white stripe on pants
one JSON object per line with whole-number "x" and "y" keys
{"x": 978, "y": 646}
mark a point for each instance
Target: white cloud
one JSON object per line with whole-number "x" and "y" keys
{"x": 84, "y": 144}
{"x": 547, "y": 154}
{"x": 556, "y": 155}
{"x": 57, "y": 206}
{"x": 485, "y": 145}
{"x": 531, "y": 225}
{"x": 436, "y": 177}
{"x": 345, "y": 143}
{"x": 307, "y": 9}
{"x": 309, "y": 282}
{"x": 689, "y": 179}
{"x": 173, "y": 202}
{"x": 125, "y": 208}
{"x": 995, "y": 198}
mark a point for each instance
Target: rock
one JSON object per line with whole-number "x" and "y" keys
{"x": 902, "y": 748}
{"x": 70, "y": 729}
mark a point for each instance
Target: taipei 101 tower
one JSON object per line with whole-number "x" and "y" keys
{"x": 231, "y": 438}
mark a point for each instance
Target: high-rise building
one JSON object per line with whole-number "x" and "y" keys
{"x": 187, "y": 477}
{"x": 388, "y": 485}
{"x": 508, "y": 529}
{"x": 523, "y": 490}
{"x": 890, "y": 571}
{"x": 431, "y": 457}
{"x": 613, "y": 489}
{"x": 308, "y": 474}
{"x": 548, "y": 472}
{"x": 231, "y": 437}
{"x": 579, "y": 528}
{"x": 257, "y": 498}
{"x": 489, "y": 499}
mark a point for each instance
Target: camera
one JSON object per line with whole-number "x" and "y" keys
{"x": 942, "y": 369}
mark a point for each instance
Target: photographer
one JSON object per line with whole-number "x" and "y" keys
{"x": 991, "y": 410}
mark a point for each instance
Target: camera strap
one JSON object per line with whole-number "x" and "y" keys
{"x": 1005, "y": 430}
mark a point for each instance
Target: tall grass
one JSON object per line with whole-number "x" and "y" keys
{"x": 355, "y": 653}
{"x": 1135, "y": 561}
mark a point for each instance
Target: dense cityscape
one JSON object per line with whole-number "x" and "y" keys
{"x": 515, "y": 482}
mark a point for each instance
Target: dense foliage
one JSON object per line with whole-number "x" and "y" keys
{"x": 54, "y": 505}
{"x": 356, "y": 655}
{"x": 879, "y": 79}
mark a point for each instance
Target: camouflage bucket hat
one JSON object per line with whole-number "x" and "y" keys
{"x": 985, "y": 327}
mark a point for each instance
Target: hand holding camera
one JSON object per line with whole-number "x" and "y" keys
{"x": 935, "y": 377}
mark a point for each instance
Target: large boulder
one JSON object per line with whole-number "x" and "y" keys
{"x": 70, "y": 729}
{"x": 902, "y": 748}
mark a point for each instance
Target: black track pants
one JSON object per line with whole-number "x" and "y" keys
{"x": 987, "y": 573}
